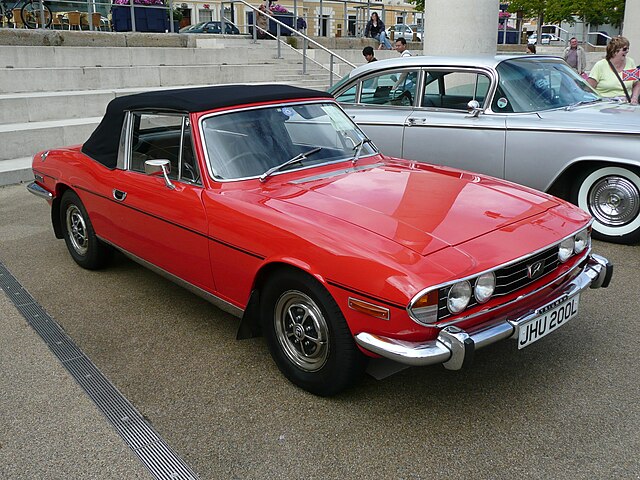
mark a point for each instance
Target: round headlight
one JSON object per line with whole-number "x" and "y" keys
{"x": 566, "y": 249}
{"x": 459, "y": 297}
{"x": 485, "y": 286}
{"x": 581, "y": 241}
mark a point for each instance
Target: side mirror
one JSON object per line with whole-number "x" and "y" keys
{"x": 159, "y": 167}
{"x": 473, "y": 107}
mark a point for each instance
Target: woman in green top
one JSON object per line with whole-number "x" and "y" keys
{"x": 604, "y": 79}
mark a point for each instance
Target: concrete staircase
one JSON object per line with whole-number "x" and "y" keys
{"x": 53, "y": 96}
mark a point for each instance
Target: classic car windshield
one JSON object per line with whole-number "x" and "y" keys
{"x": 530, "y": 85}
{"x": 248, "y": 143}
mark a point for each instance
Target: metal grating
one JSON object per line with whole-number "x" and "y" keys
{"x": 161, "y": 461}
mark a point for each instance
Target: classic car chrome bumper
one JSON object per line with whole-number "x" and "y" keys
{"x": 454, "y": 347}
{"x": 38, "y": 191}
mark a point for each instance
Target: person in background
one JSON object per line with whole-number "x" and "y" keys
{"x": 262, "y": 21}
{"x": 301, "y": 24}
{"x": 401, "y": 47}
{"x": 574, "y": 55}
{"x": 531, "y": 49}
{"x": 605, "y": 76}
{"x": 375, "y": 29}
{"x": 368, "y": 54}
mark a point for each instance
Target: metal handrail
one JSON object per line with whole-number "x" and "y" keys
{"x": 306, "y": 42}
{"x": 598, "y": 33}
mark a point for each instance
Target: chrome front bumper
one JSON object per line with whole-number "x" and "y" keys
{"x": 454, "y": 347}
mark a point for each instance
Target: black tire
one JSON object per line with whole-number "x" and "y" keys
{"x": 83, "y": 245}
{"x": 31, "y": 16}
{"x": 611, "y": 194}
{"x": 307, "y": 334}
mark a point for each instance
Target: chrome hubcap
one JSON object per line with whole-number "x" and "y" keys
{"x": 77, "y": 230}
{"x": 302, "y": 331}
{"x": 614, "y": 201}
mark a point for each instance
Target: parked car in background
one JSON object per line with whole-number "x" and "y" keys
{"x": 271, "y": 203}
{"x": 406, "y": 31}
{"x": 547, "y": 38}
{"x": 211, "y": 27}
{"x": 529, "y": 119}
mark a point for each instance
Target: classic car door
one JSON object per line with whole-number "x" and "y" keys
{"x": 441, "y": 131}
{"x": 380, "y": 104}
{"x": 162, "y": 222}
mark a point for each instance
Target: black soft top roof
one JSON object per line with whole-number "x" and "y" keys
{"x": 103, "y": 143}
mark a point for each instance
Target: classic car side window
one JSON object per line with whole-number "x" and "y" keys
{"x": 454, "y": 90}
{"x": 158, "y": 136}
{"x": 390, "y": 88}
{"x": 349, "y": 95}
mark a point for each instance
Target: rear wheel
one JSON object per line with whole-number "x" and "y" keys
{"x": 307, "y": 334}
{"x": 611, "y": 194}
{"x": 36, "y": 14}
{"x": 83, "y": 245}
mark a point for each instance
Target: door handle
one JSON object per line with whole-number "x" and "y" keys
{"x": 119, "y": 195}
{"x": 411, "y": 121}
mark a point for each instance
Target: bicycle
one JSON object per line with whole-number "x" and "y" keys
{"x": 31, "y": 13}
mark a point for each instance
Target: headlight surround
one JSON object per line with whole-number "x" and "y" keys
{"x": 484, "y": 287}
{"x": 582, "y": 241}
{"x": 565, "y": 249}
{"x": 459, "y": 297}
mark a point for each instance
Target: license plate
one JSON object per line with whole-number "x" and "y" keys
{"x": 547, "y": 322}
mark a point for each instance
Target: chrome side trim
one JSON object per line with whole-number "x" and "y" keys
{"x": 452, "y": 346}
{"x": 209, "y": 297}
{"x": 38, "y": 191}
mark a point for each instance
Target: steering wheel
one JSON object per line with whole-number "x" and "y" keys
{"x": 252, "y": 163}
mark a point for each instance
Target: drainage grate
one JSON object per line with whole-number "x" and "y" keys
{"x": 153, "y": 452}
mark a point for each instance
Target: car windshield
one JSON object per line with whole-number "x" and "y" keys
{"x": 531, "y": 85}
{"x": 248, "y": 143}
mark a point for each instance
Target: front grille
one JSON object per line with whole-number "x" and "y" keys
{"x": 509, "y": 279}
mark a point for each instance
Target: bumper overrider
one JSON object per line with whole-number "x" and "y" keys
{"x": 454, "y": 347}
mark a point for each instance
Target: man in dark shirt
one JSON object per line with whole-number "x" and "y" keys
{"x": 368, "y": 54}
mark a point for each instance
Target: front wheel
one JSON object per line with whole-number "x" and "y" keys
{"x": 83, "y": 244}
{"x": 307, "y": 334}
{"x": 611, "y": 194}
{"x": 36, "y": 14}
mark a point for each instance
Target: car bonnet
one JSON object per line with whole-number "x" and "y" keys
{"x": 421, "y": 207}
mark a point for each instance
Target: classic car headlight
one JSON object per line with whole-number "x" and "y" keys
{"x": 459, "y": 296}
{"x": 425, "y": 308}
{"x": 566, "y": 249}
{"x": 484, "y": 287}
{"x": 582, "y": 240}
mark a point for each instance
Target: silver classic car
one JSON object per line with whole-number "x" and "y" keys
{"x": 527, "y": 118}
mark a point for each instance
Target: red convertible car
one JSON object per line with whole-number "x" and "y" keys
{"x": 271, "y": 203}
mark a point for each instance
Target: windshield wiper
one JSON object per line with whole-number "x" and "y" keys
{"x": 296, "y": 159}
{"x": 582, "y": 102}
{"x": 358, "y": 148}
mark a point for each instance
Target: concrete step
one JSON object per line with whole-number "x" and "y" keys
{"x": 14, "y": 171}
{"x": 23, "y": 139}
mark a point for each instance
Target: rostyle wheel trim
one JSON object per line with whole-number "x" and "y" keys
{"x": 612, "y": 196}
{"x": 301, "y": 331}
{"x": 77, "y": 230}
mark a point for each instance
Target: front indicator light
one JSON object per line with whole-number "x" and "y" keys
{"x": 424, "y": 309}
{"x": 566, "y": 249}
{"x": 371, "y": 309}
{"x": 459, "y": 297}
{"x": 484, "y": 287}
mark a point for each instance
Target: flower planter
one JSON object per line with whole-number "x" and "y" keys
{"x": 147, "y": 19}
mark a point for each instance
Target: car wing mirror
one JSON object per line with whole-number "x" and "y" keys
{"x": 159, "y": 167}
{"x": 473, "y": 107}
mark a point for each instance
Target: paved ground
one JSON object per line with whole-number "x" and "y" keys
{"x": 565, "y": 407}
